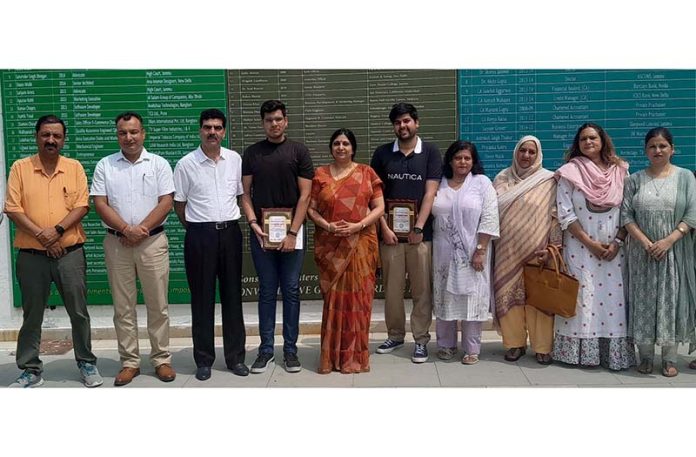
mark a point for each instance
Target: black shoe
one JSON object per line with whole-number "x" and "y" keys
{"x": 240, "y": 369}
{"x": 292, "y": 363}
{"x": 261, "y": 362}
{"x": 203, "y": 373}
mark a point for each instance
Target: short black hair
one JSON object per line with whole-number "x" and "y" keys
{"x": 50, "y": 119}
{"x": 270, "y": 106}
{"x": 212, "y": 114}
{"x": 400, "y": 109}
{"x": 461, "y": 145}
{"x": 128, "y": 115}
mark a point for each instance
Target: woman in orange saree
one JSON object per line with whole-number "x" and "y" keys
{"x": 346, "y": 202}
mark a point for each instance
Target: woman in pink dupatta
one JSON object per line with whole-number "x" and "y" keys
{"x": 346, "y": 201}
{"x": 528, "y": 223}
{"x": 589, "y": 196}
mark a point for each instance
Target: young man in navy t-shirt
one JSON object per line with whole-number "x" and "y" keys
{"x": 411, "y": 170}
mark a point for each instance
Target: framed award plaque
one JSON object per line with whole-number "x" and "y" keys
{"x": 276, "y": 223}
{"x": 401, "y": 217}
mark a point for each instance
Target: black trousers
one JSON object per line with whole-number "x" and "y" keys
{"x": 212, "y": 254}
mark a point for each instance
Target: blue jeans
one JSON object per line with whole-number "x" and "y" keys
{"x": 275, "y": 268}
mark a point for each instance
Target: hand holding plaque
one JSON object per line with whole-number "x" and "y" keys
{"x": 401, "y": 217}
{"x": 276, "y": 223}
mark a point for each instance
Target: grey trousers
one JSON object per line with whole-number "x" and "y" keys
{"x": 647, "y": 351}
{"x": 35, "y": 273}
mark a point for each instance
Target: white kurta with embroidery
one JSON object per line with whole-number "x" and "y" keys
{"x": 460, "y": 292}
{"x": 601, "y": 308}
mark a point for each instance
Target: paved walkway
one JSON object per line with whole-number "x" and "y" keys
{"x": 387, "y": 370}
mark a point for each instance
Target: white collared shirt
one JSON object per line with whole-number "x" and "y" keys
{"x": 132, "y": 189}
{"x": 416, "y": 150}
{"x": 210, "y": 189}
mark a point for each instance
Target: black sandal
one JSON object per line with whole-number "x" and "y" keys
{"x": 544, "y": 359}
{"x": 514, "y": 354}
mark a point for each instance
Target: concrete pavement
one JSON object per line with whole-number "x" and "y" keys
{"x": 387, "y": 370}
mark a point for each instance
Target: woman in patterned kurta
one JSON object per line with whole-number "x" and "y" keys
{"x": 590, "y": 190}
{"x": 658, "y": 210}
{"x": 466, "y": 219}
{"x": 346, "y": 202}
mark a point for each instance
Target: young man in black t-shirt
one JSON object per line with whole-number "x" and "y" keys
{"x": 411, "y": 170}
{"x": 277, "y": 173}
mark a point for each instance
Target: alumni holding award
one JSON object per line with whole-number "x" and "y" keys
{"x": 410, "y": 170}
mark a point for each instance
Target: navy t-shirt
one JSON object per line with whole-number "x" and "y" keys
{"x": 275, "y": 168}
{"x": 404, "y": 177}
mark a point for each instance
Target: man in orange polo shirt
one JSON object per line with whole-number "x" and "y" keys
{"x": 47, "y": 197}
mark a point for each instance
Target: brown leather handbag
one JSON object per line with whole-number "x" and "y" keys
{"x": 551, "y": 290}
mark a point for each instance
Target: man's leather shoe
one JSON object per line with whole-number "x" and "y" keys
{"x": 240, "y": 369}
{"x": 165, "y": 372}
{"x": 203, "y": 373}
{"x": 126, "y": 375}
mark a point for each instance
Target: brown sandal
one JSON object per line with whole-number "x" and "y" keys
{"x": 692, "y": 365}
{"x": 669, "y": 370}
{"x": 514, "y": 354}
{"x": 645, "y": 367}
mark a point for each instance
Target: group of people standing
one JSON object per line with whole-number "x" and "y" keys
{"x": 626, "y": 239}
{"x": 133, "y": 192}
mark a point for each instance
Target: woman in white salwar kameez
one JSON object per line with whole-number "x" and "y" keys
{"x": 589, "y": 195}
{"x": 466, "y": 220}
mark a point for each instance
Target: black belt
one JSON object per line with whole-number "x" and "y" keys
{"x": 154, "y": 231}
{"x": 72, "y": 248}
{"x": 213, "y": 225}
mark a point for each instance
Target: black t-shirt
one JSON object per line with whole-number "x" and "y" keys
{"x": 404, "y": 177}
{"x": 275, "y": 169}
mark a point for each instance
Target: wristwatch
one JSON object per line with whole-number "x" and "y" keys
{"x": 59, "y": 229}
{"x": 417, "y": 230}
{"x": 479, "y": 247}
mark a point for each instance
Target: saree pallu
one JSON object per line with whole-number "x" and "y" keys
{"x": 347, "y": 268}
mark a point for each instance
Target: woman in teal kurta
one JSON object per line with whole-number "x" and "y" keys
{"x": 658, "y": 211}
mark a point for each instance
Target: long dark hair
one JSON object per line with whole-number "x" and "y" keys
{"x": 608, "y": 151}
{"x": 461, "y": 145}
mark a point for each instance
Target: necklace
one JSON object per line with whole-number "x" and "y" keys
{"x": 664, "y": 181}
{"x": 341, "y": 173}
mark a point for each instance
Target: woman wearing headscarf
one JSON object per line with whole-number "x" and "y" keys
{"x": 589, "y": 195}
{"x": 528, "y": 223}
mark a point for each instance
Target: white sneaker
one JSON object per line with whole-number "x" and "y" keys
{"x": 90, "y": 375}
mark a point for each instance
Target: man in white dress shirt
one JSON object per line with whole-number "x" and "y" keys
{"x": 132, "y": 191}
{"x": 208, "y": 184}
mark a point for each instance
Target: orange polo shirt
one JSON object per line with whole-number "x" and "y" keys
{"x": 46, "y": 200}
